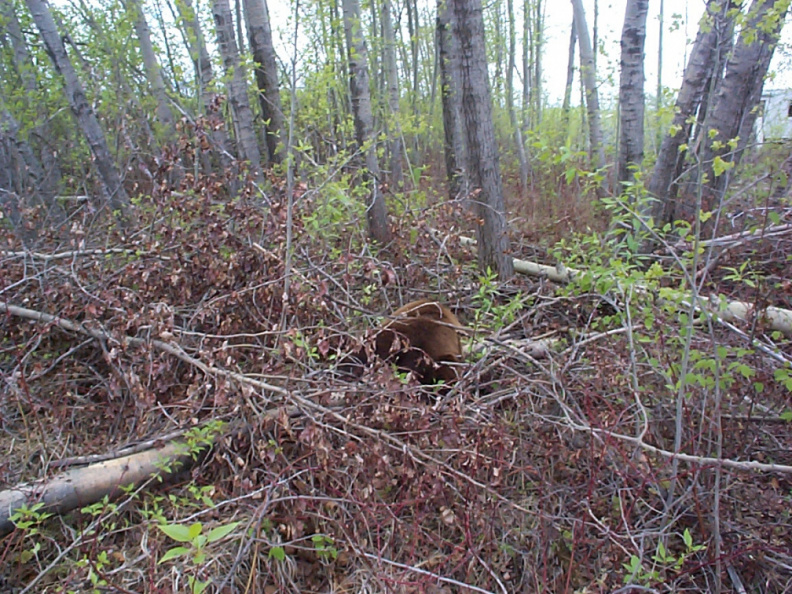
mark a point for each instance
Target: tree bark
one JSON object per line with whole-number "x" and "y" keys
{"x": 538, "y": 42}
{"x": 631, "y": 90}
{"x": 237, "y": 87}
{"x": 44, "y": 172}
{"x": 392, "y": 80}
{"x": 151, "y": 65}
{"x": 715, "y": 29}
{"x": 518, "y": 139}
{"x": 260, "y": 36}
{"x": 734, "y": 112}
{"x": 589, "y": 77}
{"x": 412, "y": 29}
{"x": 202, "y": 62}
{"x": 24, "y": 176}
{"x": 454, "y": 134}
{"x": 86, "y": 118}
{"x": 570, "y": 77}
{"x": 83, "y": 486}
{"x": 376, "y": 212}
{"x": 483, "y": 165}
{"x": 527, "y": 69}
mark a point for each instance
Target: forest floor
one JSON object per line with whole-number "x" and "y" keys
{"x": 541, "y": 470}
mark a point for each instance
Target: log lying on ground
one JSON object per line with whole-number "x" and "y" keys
{"x": 83, "y": 486}
{"x": 777, "y": 318}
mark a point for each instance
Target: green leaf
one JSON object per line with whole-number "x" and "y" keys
{"x": 177, "y": 532}
{"x": 197, "y": 586}
{"x": 221, "y": 531}
{"x": 719, "y": 166}
{"x": 195, "y": 530}
{"x": 173, "y": 554}
{"x": 277, "y": 553}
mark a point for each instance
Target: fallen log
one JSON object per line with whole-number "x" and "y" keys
{"x": 777, "y": 318}
{"x": 79, "y": 487}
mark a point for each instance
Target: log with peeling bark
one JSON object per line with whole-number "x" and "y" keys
{"x": 734, "y": 311}
{"x": 79, "y": 487}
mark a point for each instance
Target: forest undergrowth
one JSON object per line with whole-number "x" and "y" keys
{"x": 542, "y": 470}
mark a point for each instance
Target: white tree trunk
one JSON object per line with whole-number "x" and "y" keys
{"x": 589, "y": 77}
{"x": 631, "y": 90}
{"x": 392, "y": 80}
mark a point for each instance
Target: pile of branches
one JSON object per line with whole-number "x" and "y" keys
{"x": 541, "y": 470}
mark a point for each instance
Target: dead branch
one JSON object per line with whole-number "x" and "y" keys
{"x": 171, "y": 348}
{"x": 84, "y": 486}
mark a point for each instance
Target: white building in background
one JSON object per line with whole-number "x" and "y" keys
{"x": 775, "y": 116}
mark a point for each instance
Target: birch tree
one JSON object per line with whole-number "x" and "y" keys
{"x": 518, "y": 139}
{"x": 565, "y": 106}
{"x": 151, "y": 65}
{"x": 392, "y": 81}
{"x": 714, "y": 32}
{"x": 729, "y": 123}
{"x": 204, "y": 72}
{"x": 631, "y": 90}
{"x": 41, "y": 167}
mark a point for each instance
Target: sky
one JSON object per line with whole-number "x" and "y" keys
{"x": 680, "y": 28}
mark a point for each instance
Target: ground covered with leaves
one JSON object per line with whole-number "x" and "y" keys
{"x": 546, "y": 468}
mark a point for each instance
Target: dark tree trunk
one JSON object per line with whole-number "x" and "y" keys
{"x": 376, "y": 212}
{"x": 733, "y": 112}
{"x": 483, "y": 162}
{"x": 454, "y": 135}
{"x": 260, "y": 36}
{"x": 247, "y": 143}
{"x": 631, "y": 90}
{"x": 715, "y": 30}
{"x": 89, "y": 124}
